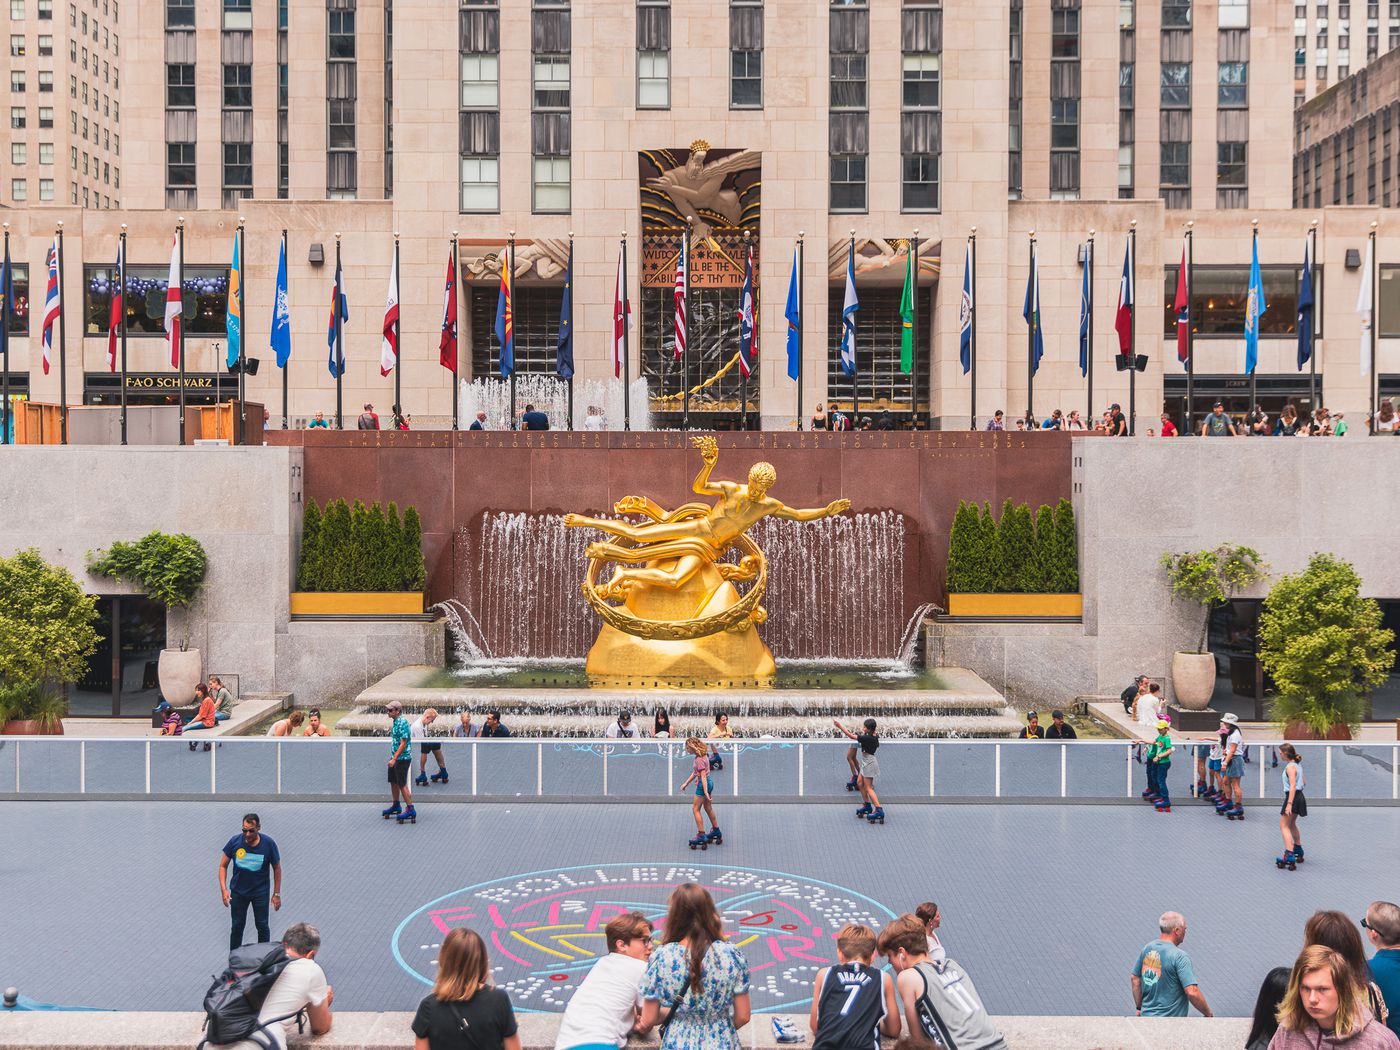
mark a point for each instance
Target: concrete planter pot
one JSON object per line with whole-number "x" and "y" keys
{"x": 1016, "y": 605}
{"x": 180, "y": 670}
{"x": 27, "y": 727}
{"x": 1193, "y": 679}
{"x": 373, "y": 604}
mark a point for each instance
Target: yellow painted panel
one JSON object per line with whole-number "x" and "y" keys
{"x": 357, "y": 603}
{"x": 1015, "y": 605}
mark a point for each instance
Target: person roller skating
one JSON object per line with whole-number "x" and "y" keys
{"x": 1295, "y": 805}
{"x": 704, "y": 788}
{"x": 868, "y": 743}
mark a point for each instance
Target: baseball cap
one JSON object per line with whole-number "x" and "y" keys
{"x": 1057, "y": 714}
{"x": 1218, "y": 404}
{"x": 1163, "y": 724}
{"x": 625, "y": 716}
{"x": 1230, "y": 718}
{"x": 393, "y": 705}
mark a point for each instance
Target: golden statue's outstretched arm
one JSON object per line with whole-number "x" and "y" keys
{"x": 709, "y": 453}
{"x": 829, "y": 511}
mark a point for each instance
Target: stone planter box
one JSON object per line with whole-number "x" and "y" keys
{"x": 371, "y": 604}
{"x": 1016, "y": 605}
{"x": 29, "y": 727}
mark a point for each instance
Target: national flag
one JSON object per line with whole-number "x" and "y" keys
{"x": 793, "y": 312}
{"x": 340, "y": 311}
{"x": 678, "y": 294}
{"x": 117, "y": 315}
{"x": 1364, "y": 299}
{"x": 748, "y": 334}
{"x": 1085, "y": 308}
{"x": 280, "y": 340}
{"x": 505, "y": 319}
{"x": 564, "y": 348}
{"x": 447, "y": 341}
{"x": 849, "y": 306}
{"x": 233, "y": 323}
{"x": 174, "y": 303}
{"x": 1031, "y": 312}
{"x": 1123, "y": 318}
{"x": 53, "y": 305}
{"x": 906, "y": 314}
{"x": 1305, "y": 312}
{"x": 7, "y": 301}
{"x": 965, "y": 312}
{"x": 1254, "y": 307}
{"x": 389, "y": 345}
{"x": 622, "y": 320}
{"x": 1183, "y": 314}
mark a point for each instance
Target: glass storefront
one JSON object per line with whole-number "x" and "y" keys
{"x": 121, "y": 677}
{"x": 1273, "y": 392}
{"x": 159, "y": 388}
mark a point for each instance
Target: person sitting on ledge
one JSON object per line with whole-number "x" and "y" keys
{"x": 1032, "y": 730}
{"x": 1059, "y": 729}
{"x": 207, "y": 715}
{"x": 492, "y": 726}
{"x": 287, "y": 726}
{"x": 314, "y": 725}
{"x": 223, "y": 699}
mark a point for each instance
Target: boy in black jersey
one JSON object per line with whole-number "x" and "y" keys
{"x": 853, "y": 1001}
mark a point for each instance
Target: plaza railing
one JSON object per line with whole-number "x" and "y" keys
{"x": 550, "y": 769}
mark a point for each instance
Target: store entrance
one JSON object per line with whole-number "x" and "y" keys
{"x": 1272, "y": 392}
{"x": 121, "y": 677}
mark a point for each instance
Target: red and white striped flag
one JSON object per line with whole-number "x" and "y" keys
{"x": 118, "y": 311}
{"x": 52, "y": 303}
{"x": 389, "y": 345}
{"x": 174, "y": 303}
{"x": 681, "y": 263}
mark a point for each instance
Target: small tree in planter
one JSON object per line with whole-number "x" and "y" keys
{"x": 963, "y": 567}
{"x": 1058, "y": 551}
{"x": 1209, "y": 578}
{"x": 1323, "y": 645}
{"x": 169, "y": 569}
{"x": 309, "y": 564}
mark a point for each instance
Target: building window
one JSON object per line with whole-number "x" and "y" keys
{"x": 919, "y": 182}
{"x": 1176, "y": 85}
{"x": 1233, "y": 92}
{"x": 17, "y": 80}
{"x": 1125, "y": 167}
{"x": 1176, "y": 164}
{"x": 1219, "y": 295}
{"x": 17, "y": 45}
{"x": 179, "y": 165}
{"x": 46, "y": 153}
{"x": 653, "y": 80}
{"x": 238, "y": 166}
{"x": 848, "y": 80}
{"x": 179, "y": 87}
{"x": 340, "y": 131}
{"x": 1230, "y": 164}
{"x": 238, "y": 87}
{"x": 551, "y": 81}
{"x": 1176, "y": 14}
{"x": 848, "y": 182}
{"x": 481, "y": 179}
{"x": 45, "y": 82}
{"x": 1064, "y": 124}
{"x": 179, "y": 14}
{"x": 17, "y": 117}
{"x": 746, "y": 79}
{"x": 19, "y": 190}
{"x": 480, "y": 81}
{"x": 1014, "y": 114}
{"x": 1125, "y": 85}
{"x": 17, "y": 10}
{"x": 46, "y": 189}
{"x": 921, "y": 81}
{"x": 45, "y": 47}
{"x": 19, "y": 153}
{"x": 45, "y": 116}
{"x": 46, "y": 10}
{"x": 205, "y": 306}
{"x": 551, "y": 184}
{"x": 1064, "y": 39}
{"x": 341, "y": 42}
{"x": 238, "y": 14}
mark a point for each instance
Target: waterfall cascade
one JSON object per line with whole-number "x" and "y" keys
{"x": 550, "y": 395}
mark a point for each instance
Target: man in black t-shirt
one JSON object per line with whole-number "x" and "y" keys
{"x": 1130, "y": 694}
{"x": 1117, "y": 422}
{"x": 1059, "y": 729}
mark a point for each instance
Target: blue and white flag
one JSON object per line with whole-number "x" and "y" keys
{"x": 1086, "y": 305}
{"x": 1305, "y": 313}
{"x": 748, "y": 334}
{"x": 281, "y": 339}
{"x": 1031, "y": 312}
{"x": 793, "y": 312}
{"x": 965, "y": 313}
{"x": 848, "y": 317}
{"x": 1254, "y": 307}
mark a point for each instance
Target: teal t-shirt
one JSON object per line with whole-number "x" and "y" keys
{"x": 1165, "y": 971}
{"x": 399, "y": 735}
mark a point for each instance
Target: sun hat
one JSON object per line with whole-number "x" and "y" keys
{"x": 1230, "y": 718}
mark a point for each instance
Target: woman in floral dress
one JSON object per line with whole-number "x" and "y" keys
{"x": 697, "y": 976}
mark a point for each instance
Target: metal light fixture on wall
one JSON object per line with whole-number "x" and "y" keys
{"x": 1353, "y": 259}
{"x": 316, "y": 255}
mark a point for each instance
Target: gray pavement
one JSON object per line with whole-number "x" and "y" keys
{"x": 114, "y": 904}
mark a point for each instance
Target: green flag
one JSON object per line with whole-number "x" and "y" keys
{"x": 906, "y": 312}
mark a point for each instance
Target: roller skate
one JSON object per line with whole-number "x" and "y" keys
{"x": 392, "y": 811}
{"x": 851, "y": 784}
{"x": 700, "y": 841}
{"x": 715, "y": 837}
{"x": 440, "y": 777}
{"x": 421, "y": 780}
{"x": 1289, "y": 860}
{"x": 1235, "y": 814}
{"x": 1298, "y": 853}
{"x": 408, "y": 816}
{"x": 1223, "y": 806}
{"x": 1200, "y": 789}
{"x": 1164, "y": 806}
{"x": 878, "y": 816}
{"x": 864, "y": 811}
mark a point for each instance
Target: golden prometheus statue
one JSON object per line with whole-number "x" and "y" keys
{"x": 681, "y": 618}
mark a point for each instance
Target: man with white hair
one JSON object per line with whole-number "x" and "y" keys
{"x": 1164, "y": 983}
{"x": 1382, "y": 925}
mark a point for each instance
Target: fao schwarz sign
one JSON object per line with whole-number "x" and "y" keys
{"x": 171, "y": 382}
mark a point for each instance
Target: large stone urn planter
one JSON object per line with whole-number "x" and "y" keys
{"x": 180, "y": 671}
{"x": 1193, "y": 679}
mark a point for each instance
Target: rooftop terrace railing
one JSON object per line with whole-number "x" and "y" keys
{"x": 584, "y": 769}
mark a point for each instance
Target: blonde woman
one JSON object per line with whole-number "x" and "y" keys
{"x": 704, "y": 790}
{"x": 464, "y": 1011}
{"x": 1323, "y": 1008}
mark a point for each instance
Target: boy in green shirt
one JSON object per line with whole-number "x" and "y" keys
{"x": 1159, "y": 757}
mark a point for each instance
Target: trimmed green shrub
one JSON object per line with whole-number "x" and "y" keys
{"x": 413, "y": 574}
{"x": 962, "y": 540}
{"x": 1045, "y": 549}
{"x": 360, "y": 548}
{"x": 1059, "y": 553}
{"x": 309, "y": 567}
{"x": 46, "y": 622}
{"x": 1212, "y": 577}
{"x": 1022, "y": 550}
{"x": 1323, "y": 645}
{"x": 1020, "y": 554}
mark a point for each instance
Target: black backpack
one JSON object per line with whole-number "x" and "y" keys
{"x": 232, "y": 1002}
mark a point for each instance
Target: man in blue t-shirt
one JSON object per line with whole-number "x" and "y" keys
{"x": 257, "y": 869}
{"x": 1382, "y": 924}
{"x": 1164, "y": 982}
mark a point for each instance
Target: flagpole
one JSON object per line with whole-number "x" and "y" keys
{"x": 398, "y": 332}
{"x": 457, "y": 349}
{"x": 569, "y": 291}
{"x": 180, "y": 238}
{"x": 1373, "y": 379}
{"x": 62, "y": 350}
{"x": 972, "y": 347}
{"x": 1190, "y": 323}
{"x": 1034, "y": 293}
{"x": 914, "y": 336}
{"x": 855, "y": 363}
{"x": 626, "y": 343}
{"x": 1132, "y": 328}
{"x": 242, "y": 342}
{"x": 5, "y": 339}
{"x": 801, "y": 234}
{"x": 1089, "y": 348}
{"x": 685, "y": 354}
{"x": 510, "y": 286}
{"x": 285, "y": 366}
{"x": 1312, "y": 341}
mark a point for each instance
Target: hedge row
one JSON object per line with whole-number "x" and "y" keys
{"x": 360, "y": 548}
{"x": 1019, "y": 554}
